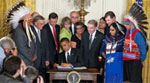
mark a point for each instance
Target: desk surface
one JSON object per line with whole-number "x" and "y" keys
{"x": 86, "y": 74}
{"x": 89, "y": 70}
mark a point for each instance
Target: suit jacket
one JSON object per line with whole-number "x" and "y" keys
{"x": 41, "y": 48}
{"x": 74, "y": 59}
{"x": 53, "y": 55}
{"x": 90, "y": 56}
{"x": 24, "y": 51}
{"x": 8, "y": 79}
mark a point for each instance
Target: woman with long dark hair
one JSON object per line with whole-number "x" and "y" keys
{"x": 112, "y": 51}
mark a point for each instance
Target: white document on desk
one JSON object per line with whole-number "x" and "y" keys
{"x": 79, "y": 68}
{"x": 64, "y": 68}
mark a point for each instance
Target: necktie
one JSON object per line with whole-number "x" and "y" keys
{"x": 90, "y": 41}
{"x": 55, "y": 38}
{"x": 67, "y": 57}
{"x": 39, "y": 35}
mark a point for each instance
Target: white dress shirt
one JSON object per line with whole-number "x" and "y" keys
{"x": 73, "y": 29}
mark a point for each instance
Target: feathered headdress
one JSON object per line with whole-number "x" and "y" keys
{"x": 120, "y": 28}
{"x": 137, "y": 17}
{"x": 17, "y": 13}
{"x": 21, "y": 13}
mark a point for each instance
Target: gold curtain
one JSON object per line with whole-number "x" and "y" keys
{"x": 5, "y": 5}
{"x": 146, "y": 69}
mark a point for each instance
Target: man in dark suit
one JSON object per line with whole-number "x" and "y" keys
{"x": 41, "y": 45}
{"x": 70, "y": 56}
{"x": 110, "y": 18}
{"x": 90, "y": 45}
{"x": 53, "y": 31}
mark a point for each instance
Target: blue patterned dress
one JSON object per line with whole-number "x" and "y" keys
{"x": 113, "y": 48}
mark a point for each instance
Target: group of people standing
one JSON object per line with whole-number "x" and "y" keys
{"x": 117, "y": 50}
{"x": 123, "y": 50}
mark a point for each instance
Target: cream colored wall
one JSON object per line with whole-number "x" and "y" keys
{"x": 96, "y": 10}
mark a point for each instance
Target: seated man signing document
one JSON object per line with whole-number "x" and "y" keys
{"x": 69, "y": 57}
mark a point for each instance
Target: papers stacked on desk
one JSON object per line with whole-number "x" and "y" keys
{"x": 70, "y": 68}
{"x": 64, "y": 68}
{"x": 79, "y": 68}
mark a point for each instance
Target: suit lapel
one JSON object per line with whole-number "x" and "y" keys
{"x": 71, "y": 53}
{"x": 71, "y": 29}
{"x": 35, "y": 33}
{"x": 42, "y": 36}
{"x": 64, "y": 58}
{"x": 88, "y": 40}
{"x": 50, "y": 32}
{"x": 71, "y": 56}
{"x": 56, "y": 28}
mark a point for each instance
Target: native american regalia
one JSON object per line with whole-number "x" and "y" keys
{"x": 113, "y": 48}
{"x": 20, "y": 19}
{"x": 136, "y": 44}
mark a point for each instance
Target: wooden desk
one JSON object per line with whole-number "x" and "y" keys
{"x": 86, "y": 74}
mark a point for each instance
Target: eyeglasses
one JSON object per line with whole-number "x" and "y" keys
{"x": 74, "y": 17}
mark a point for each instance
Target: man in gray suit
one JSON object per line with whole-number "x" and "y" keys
{"x": 25, "y": 44}
{"x": 20, "y": 18}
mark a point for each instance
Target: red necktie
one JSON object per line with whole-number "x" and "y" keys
{"x": 55, "y": 38}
